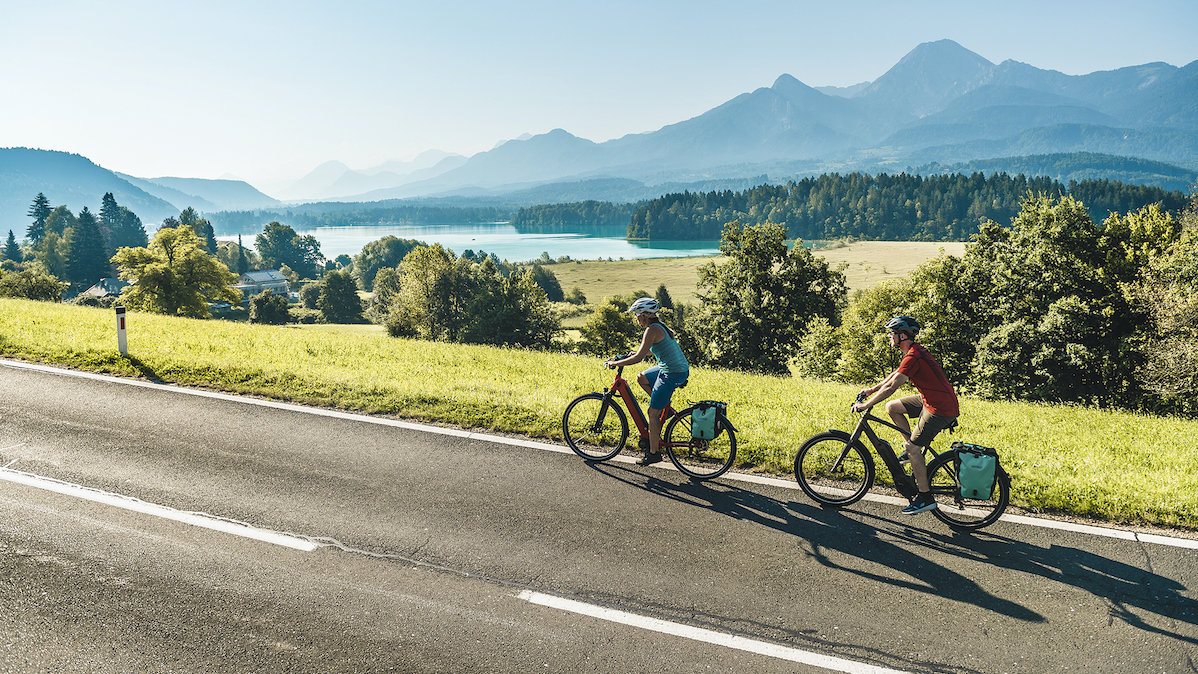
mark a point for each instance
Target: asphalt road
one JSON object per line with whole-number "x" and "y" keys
{"x": 438, "y": 552}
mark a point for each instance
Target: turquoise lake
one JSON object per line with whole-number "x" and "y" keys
{"x": 505, "y": 241}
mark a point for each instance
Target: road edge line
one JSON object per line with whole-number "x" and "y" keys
{"x": 1045, "y": 523}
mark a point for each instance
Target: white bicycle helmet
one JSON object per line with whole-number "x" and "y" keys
{"x": 644, "y": 305}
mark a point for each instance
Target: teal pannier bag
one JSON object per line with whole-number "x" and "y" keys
{"x": 977, "y": 468}
{"x": 703, "y": 419}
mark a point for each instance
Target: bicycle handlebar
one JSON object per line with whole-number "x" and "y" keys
{"x": 608, "y": 363}
{"x": 860, "y": 399}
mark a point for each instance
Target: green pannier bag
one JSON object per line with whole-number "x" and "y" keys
{"x": 977, "y": 469}
{"x": 703, "y": 419}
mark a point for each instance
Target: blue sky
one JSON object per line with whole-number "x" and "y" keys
{"x": 266, "y": 90}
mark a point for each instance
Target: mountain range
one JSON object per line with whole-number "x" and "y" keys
{"x": 940, "y": 105}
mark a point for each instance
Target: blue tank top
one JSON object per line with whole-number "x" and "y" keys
{"x": 669, "y": 355}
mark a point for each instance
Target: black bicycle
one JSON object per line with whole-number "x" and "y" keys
{"x": 835, "y": 469}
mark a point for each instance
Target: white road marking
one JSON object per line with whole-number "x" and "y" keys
{"x": 137, "y": 505}
{"x": 1109, "y": 532}
{"x": 705, "y": 635}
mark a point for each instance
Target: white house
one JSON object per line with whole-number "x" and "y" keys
{"x": 253, "y": 282}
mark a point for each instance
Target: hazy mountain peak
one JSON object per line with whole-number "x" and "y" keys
{"x": 944, "y": 49}
{"x": 786, "y": 80}
{"x": 929, "y": 76}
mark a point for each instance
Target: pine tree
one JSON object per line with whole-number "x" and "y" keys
{"x": 86, "y": 251}
{"x": 39, "y": 211}
{"x": 110, "y": 215}
{"x": 243, "y": 265}
{"x": 663, "y": 297}
{"x": 128, "y": 231}
{"x": 11, "y": 250}
{"x": 200, "y": 226}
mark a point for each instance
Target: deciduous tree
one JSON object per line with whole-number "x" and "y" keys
{"x": 608, "y": 331}
{"x": 757, "y": 303}
{"x": 338, "y": 300}
{"x": 280, "y": 246}
{"x": 174, "y": 275}
{"x": 31, "y": 284}
{"x": 388, "y": 251}
{"x": 268, "y": 308}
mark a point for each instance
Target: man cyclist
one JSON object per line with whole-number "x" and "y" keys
{"x": 936, "y": 405}
{"x": 659, "y": 381}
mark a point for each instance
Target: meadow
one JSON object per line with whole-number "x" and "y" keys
{"x": 865, "y": 263}
{"x": 1102, "y": 464}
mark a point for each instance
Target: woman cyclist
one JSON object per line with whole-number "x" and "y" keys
{"x": 659, "y": 381}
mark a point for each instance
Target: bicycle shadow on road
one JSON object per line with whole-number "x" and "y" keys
{"x": 826, "y": 532}
{"x": 1126, "y": 587}
{"x": 829, "y": 533}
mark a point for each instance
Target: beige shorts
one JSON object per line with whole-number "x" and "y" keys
{"x": 928, "y": 426}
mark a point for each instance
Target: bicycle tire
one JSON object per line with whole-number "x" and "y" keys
{"x": 965, "y": 514}
{"x": 833, "y": 472}
{"x": 594, "y": 427}
{"x": 697, "y": 458}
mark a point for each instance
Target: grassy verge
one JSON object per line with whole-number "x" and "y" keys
{"x": 1108, "y": 465}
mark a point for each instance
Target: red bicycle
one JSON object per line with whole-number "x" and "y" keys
{"x": 596, "y": 428}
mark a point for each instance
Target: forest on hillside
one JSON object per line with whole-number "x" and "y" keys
{"x": 330, "y": 214}
{"x": 881, "y": 207}
{"x": 580, "y": 215}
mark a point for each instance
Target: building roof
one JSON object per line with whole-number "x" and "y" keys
{"x": 264, "y": 276}
{"x": 105, "y": 287}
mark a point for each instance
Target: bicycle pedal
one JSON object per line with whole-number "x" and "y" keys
{"x": 643, "y": 443}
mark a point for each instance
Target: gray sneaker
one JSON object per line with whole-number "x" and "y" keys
{"x": 922, "y": 502}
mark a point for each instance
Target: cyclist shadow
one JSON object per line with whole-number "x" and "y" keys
{"x": 825, "y": 532}
{"x": 1126, "y": 587}
{"x": 828, "y": 534}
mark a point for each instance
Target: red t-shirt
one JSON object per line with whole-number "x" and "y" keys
{"x": 925, "y": 373}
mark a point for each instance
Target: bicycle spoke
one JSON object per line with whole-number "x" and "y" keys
{"x": 701, "y": 459}
{"x": 594, "y": 427}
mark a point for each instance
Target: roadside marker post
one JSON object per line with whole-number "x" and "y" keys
{"x": 121, "y": 344}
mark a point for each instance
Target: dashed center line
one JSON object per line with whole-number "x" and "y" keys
{"x": 705, "y": 635}
{"x": 165, "y": 512}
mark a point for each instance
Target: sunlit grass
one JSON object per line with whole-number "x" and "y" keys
{"x": 866, "y": 263}
{"x": 1109, "y": 465}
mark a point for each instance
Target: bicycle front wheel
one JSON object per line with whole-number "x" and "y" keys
{"x": 696, "y": 457}
{"x": 833, "y": 472}
{"x": 965, "y": 514}
{"x": 594, "y": 427}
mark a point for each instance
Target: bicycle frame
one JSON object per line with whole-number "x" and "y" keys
{"x": 620, "y": 386}
{"x": 903, "y": 483}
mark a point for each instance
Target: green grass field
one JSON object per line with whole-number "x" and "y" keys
{"x": 1108, "y": 465}
{"x": 867, "y": 263}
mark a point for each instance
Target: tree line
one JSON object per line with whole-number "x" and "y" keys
{"x": 309, "y": 216}
{"x": 573, "y": 216}
{"x": 884, "y": 207}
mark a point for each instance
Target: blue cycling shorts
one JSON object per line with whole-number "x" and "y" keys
{"x": 663, "y": 386}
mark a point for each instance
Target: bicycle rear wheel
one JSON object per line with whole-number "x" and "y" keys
{"x": 965, "y": 514}
{"x": 833, "y": 472}
{"x": 594, "y": 427}
{"x": 695, "y": 457}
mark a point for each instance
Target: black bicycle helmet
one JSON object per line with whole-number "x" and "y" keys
{"x": 905, "y": 324}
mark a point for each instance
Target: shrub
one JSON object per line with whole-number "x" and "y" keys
{"x": 269, "y": 308}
